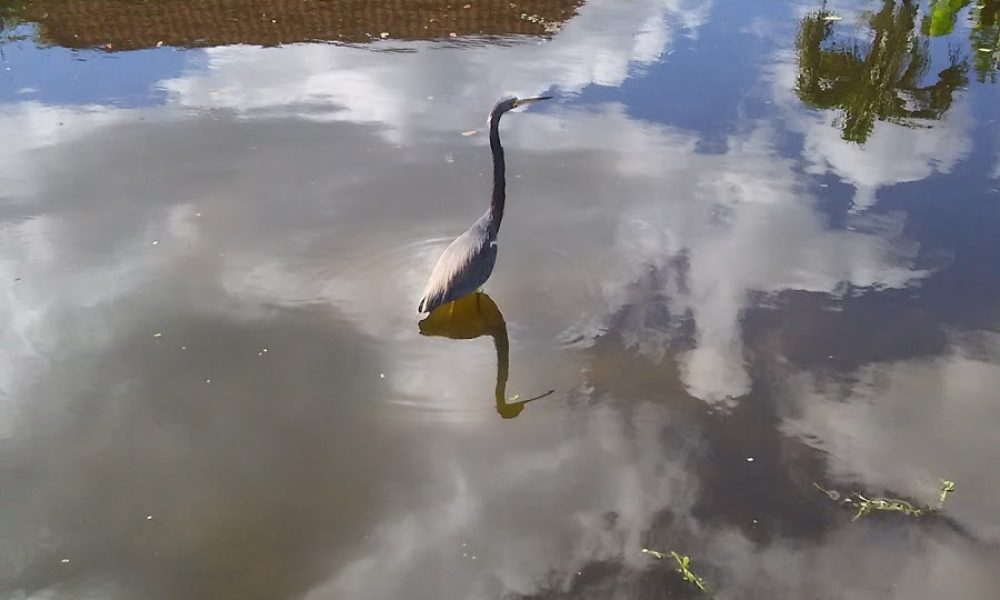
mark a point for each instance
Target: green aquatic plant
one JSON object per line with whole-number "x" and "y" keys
{"x": 862, "y": 505}
{"x": 683, "y": 567}
{"x": 942, "y": 16}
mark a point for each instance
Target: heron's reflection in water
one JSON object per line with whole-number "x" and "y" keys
{"x": 470, "y": 317}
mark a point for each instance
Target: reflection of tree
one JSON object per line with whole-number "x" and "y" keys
{"x": 8, "y": 21}
{"x": 985, "y": 34}
{"x": 876, "y": 80}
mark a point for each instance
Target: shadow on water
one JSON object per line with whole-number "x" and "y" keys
{"x": 471, "y": 317}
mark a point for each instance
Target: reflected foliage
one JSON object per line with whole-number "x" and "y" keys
{"x": 474, "y": 316}
{"x": 8, "y": 21}
{"x": 984, "y": 36}
{"x": 881, "y": 79}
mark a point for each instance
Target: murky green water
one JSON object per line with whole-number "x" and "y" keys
{"x": 752, "y": 247}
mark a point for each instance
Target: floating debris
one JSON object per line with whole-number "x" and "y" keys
{"x": 548, "y": 26}
{"x": 863, "y": 506}
{"x": 64, "y": 561}
{"x": 749, "y": 459}
{"x": 683, "y": 567}
{"x": 158, "y": 334}
{"x": 149, "y": 517}
{"x": 469, "y": 132}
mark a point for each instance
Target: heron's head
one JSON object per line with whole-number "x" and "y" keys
{"x": 512, "y": 102}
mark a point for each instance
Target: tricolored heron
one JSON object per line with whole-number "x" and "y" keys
{"x": 467, "y": 263}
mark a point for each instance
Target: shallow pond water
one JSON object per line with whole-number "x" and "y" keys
{"x": 751, "y": 248}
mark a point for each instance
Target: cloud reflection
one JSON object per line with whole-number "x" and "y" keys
{"x": 434, "y": 87}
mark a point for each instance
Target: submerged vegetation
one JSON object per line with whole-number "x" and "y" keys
{"x": 683, "y": 567}
{"x": 862, "y": 505}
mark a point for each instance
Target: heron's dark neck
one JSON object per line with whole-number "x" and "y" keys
{"x": 499, "y": 167}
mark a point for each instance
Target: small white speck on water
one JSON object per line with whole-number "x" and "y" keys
{"x": 473, "y": 557}
{"x": 464, "y": 555}
{"x": 830, "y": 356}
{"x": 158, "y": 334}
{"x": 64, "y": 561}
{"x": 149, "y": 517}
{"x": 184, "y": 347}
{"x": 208, "y": 381}
{"x": 382, "y": 376}
{"x": 156, "y": 242}
{"x": 449, "y": 159}
{"x": 749, "y": 459}
{"x": 197, "y": 214}
{"x": 755, "y": 521}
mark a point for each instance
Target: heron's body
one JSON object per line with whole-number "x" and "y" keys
{"x": 464, "y": 266}
{"x": 468, "y": 262}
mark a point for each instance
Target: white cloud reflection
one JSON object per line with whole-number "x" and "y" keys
{"x": 432, "y": 87}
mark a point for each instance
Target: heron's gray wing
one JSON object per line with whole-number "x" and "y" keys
{"x": 463, "y": 268}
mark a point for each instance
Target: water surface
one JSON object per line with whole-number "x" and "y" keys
{"x": 753, "y": 249}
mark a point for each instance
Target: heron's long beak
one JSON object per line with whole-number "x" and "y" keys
{"x": 523, "y": 101}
